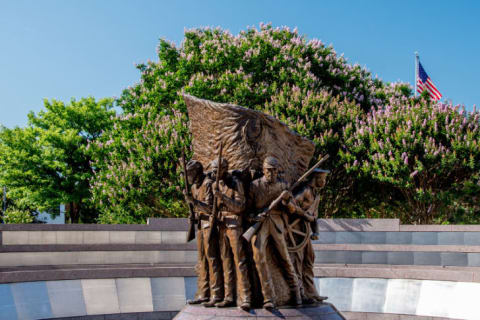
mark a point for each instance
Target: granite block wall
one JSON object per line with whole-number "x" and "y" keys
{"x": 88, "y": 297}
{"x": 459, "y": 238}
{"x": 445, "y": 299}
{"x": 91, "y": 237}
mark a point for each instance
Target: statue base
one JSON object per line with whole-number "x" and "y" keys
{"x": 321, "y": 311}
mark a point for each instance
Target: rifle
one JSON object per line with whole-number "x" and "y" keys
{"x": 254, "y": 229}
{"x": 191, "y": 217}
{"x": 213, "y": 216}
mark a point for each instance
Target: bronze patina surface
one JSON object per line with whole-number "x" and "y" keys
{"x": 255, "y": 203}
{"x": 307, "y": 201}
{"x": 210, "y": 280}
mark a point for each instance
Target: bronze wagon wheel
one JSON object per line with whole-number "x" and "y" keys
{"x": 297, "y": 233}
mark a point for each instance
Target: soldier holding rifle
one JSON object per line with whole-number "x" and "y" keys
{"x": 210, "y": 284}
{"x": 308, "y": 199}
{"x": 262, "y": 193}
{"x": 230, "y": 196}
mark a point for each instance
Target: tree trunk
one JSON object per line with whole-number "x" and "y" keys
{"x": 72, "y": 210}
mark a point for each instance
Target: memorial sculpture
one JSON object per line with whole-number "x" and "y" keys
{"x": 255, "y": 205}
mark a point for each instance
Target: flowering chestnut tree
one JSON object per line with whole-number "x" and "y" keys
{"x": 427, "y": 152}
{"x": 136, "y": 174}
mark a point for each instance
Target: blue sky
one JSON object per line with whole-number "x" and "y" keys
{"x": 63, "y": 49}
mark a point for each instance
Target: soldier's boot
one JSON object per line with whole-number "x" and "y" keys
{"x": 268, "y": 305}
{"x": 211, "y": 303}
{"x": 320, "y": 298}
{"x": 245, "y": 306}
{"x": 197, "y": 300}
{"x": 306, "y": 300}
{"x": 224, "y": 304}
{"x": 315, "y": 235}
{"x": 296, "y": 297}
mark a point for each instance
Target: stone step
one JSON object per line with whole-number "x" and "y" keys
{"x": 71, "y": 272}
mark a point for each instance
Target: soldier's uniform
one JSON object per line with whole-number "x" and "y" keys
{"x": 209, "y": 283}
{"x": 232, "y": 247}
{"x": 304, "y": 259}
{"x": 272, "y": 229}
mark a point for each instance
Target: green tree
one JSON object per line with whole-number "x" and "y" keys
{"x": 46, "y": 163}
{"x": 14, "y": 212}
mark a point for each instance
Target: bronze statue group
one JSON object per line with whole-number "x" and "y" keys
{"x": 244, "y": 221}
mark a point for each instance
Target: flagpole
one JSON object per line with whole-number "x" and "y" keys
{"x": 416, "y": 71}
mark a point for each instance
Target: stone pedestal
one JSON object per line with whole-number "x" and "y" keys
{"x": 324, "y": 311}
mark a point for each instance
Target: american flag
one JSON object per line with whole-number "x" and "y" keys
{"x": 425, "y": 83}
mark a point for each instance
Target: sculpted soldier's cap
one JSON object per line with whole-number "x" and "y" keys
{"x": 214, "y": 163}
{"x": 194, "y": 165}
{"x": 271, "y": 162}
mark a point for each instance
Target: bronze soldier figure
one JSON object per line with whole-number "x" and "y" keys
{"x": 307, "y": 201}
{"x": 231, "y": 207}
{"x": 209, "y": 283}
{"x": 262, "y": 192}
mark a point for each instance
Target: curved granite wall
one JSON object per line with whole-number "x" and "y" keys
{"x": 370, "y": 269}
{"x": 87, "y": 297}
{"x": 69, "y": 298}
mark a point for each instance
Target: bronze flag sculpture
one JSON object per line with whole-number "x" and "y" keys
{"x": 256, "y": 178}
